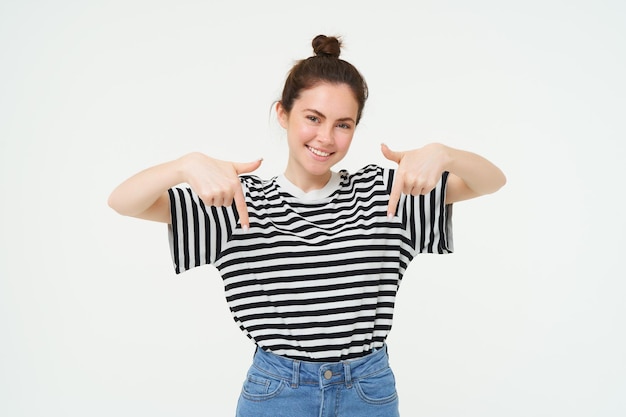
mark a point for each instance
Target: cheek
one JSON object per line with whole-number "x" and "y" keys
{"x": 343, "y": 141}
{"x": 305, "y": 131}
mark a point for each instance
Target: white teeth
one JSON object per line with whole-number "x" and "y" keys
{"x": 318, "y": 152}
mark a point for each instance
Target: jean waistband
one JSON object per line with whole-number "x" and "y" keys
{"x": 296, "y": 372}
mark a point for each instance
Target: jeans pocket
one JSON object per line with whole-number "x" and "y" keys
{"x": 379, "y": 388}
{"x": 259, "y": 386}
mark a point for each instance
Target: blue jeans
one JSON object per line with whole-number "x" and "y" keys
{"x": 280, "y": 387}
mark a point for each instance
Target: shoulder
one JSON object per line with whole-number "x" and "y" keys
{"x": 368, "y": 171}
{"x": 258, "y": 188}
{"x": 254, "y": 182}
{"x": 370, "y": 176}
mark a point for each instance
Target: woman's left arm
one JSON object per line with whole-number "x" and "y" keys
{"x": 419, "y": 170}
{"x": 471, "y": 176}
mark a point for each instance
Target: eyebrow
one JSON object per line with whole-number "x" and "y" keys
{"x": 343, "y": 119}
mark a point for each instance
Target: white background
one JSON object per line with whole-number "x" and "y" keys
{"x": 526, "y": 318}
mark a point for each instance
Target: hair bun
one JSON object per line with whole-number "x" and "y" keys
{"x": 326, "y": 46}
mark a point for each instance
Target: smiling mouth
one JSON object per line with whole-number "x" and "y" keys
{"x": 318, "y": 152}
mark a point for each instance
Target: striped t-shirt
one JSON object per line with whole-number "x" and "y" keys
{"x": 315, "y": 277}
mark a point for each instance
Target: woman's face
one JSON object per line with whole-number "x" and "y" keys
{"x": 319, "y": 128}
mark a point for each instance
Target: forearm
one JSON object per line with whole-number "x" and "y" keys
{"x": 142, "y": 194}
{"x": 478, "y": 175}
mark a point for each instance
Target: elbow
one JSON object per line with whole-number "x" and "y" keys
{"x": 489, "y": 185}
{"x": 114, "y": 202}
{"x": 497, "y": 182}
{"x": 500, "y": 181}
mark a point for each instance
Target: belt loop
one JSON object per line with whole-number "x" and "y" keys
{"x": 295, "y": 378}
{"x": 348, "y": 376}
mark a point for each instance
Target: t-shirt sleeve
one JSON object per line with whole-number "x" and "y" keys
{"x": 197, "y": 233}
{"x": 427, "y": 219}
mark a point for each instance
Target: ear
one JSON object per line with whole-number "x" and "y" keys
{"x": 283, "y": 116}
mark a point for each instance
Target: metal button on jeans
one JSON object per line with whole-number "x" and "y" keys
{"x": 328, "y": 374}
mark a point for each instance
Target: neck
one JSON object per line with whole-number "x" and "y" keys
{"x": 309, "y": 182}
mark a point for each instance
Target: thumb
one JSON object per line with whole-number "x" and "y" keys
{"x": 391, "y": 155}
{"x": 244, "y": 167}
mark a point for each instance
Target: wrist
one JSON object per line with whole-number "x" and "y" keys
{"x": 183, "y": 166}
{"x": 444, "y": 154}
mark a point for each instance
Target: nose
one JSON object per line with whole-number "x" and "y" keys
{"x": 326, "y": 134}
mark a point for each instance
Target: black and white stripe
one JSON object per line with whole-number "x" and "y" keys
{"x": 312, "y": 280}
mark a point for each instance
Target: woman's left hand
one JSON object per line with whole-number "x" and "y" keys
{"x": 418, "y": 171}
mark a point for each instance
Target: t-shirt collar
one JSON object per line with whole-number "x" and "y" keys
{"x": 324, "y": 192}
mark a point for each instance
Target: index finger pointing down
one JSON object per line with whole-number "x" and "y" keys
{"x": 242, "y": 209}
{"x": 394, "y": 197}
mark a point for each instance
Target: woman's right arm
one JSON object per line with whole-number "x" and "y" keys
{"x": 145, "y": 196}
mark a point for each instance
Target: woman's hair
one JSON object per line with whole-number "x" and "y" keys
{"x": 324, "y": 66}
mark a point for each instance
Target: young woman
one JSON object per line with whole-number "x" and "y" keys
{"x": 312, "y": 259}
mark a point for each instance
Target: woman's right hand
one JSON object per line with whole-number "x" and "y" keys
{"x": 217, "y": 182}
{"x": 145, "y": 196}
